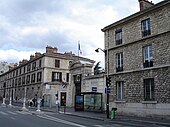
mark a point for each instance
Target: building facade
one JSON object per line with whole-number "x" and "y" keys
{"x": 91, "y": 87}
{"x": 45, "y": 76}
{"x": 139, "y": 61}
{"x": 4, "y": 67}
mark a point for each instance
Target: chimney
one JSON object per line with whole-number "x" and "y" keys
{"x": 50, "y": 49}
{"x": 20, "y": 62}
{"x": 15, "y": 65}
{"x": 24, "y": 61}
{"x": 145, "y": 4}
{"x": 37, "y": 54}
{"x": 31, "y": 57}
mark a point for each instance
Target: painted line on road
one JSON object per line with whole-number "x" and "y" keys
{"x": 24, "y": 113}
{"x": 13, "y": 113}
{"x": 61, "y": 121}
{"x": 3, "y": 113}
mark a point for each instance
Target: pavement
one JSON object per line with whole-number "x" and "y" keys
{"x": 102, "y": 116}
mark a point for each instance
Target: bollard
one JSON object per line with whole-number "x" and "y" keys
{"x": 38, "y": 106}
{"x": 10, "y": 101}
{"x": 24, "y": 108}
{"x": 3, "y": 103}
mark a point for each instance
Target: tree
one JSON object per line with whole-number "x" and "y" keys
{"x": 97, "y": 69}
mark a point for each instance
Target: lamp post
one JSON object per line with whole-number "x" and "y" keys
{"x": 107, "y": 74}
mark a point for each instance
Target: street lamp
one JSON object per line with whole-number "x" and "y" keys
{"x": 107, "y": 69}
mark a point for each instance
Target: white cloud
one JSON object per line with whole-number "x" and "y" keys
{"x": 28, "y": 26}
{"x": 14, "y": 56}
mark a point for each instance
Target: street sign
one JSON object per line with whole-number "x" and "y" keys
{"x": 94, "y": 89}
{"x": 107, "y": 90}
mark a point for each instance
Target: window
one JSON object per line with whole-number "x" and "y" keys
{"x": 16, "y": 72}
{"x": 56, "y": 76}
{"x": 16, "y": 82}
{"x": 39, "y": 75}
{"x": 145, "y": 24}
{"x": 28, "y": 78}
{"x": 20, "y": 71}
{"x": 149, "y": 89}
{"x": 119, "y": 62}
{"x": 120, "y": 90}
{"x": 28, "y": 67}
{"x": 19, "y": 81}
{"x": 33, "y": 78}
{"x": 67, "y": 77}
{"x": 34, "y": 66}
{"x": 118, "y": 36}
{"x": 148, "y": 56}
{"x": 23, "y": 80}
{"x": 57, "y": 63}
{"x": 24, "y": 69}
{"x": 39, "y": 63}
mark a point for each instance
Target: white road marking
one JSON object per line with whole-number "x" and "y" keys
{"x": 61, "y": 121}
{"x": 13, "y": 113}
{"x": 24, "y": 113}
{"x": 97, "y": 125}
{"x": 3, "y": 113}
{"x": 13, "y": 118}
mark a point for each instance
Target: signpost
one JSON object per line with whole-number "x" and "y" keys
{"x": 107, "y": 90}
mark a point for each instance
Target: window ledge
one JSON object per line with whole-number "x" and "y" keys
{"x": 149, "y": 102}
{"x": 120, "y": 101}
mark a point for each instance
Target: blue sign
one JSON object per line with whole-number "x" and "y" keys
{"x": 94, "y": 89}
{"x": 107, "y": 90}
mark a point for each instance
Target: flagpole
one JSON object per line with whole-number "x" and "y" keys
{"x": 78, "y": 49}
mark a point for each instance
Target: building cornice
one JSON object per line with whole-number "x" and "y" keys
{"x": 138, "y": 14}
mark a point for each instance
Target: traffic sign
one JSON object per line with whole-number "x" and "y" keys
{"x": 107, "y": 90}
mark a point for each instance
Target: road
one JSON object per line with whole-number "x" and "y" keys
{"x": 13, "y": 117}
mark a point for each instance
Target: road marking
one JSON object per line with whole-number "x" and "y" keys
{"x": 3, "y": 113}
{"x": 13, "y": 113}
{"x": 61, "y": 121}
{"x": 97, "y": 125}
{"x": 13, "y": 118}
{"x": 24, "y": 113}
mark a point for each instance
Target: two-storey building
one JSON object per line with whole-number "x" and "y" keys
{"x": 139, "y": 61}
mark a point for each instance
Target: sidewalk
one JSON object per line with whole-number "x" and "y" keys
{"x": 102, "y": 116}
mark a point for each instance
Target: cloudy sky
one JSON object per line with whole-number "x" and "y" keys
{"x": 27, "y": 26}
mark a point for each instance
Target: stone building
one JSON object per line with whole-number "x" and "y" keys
{"x": 139, "y": 61}
{"x": 90, "y": 87}
{"x": 45, "y": 76}
{"x": 4, "y": 67}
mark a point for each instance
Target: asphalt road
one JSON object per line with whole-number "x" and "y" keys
{"x": 12, "y": 117}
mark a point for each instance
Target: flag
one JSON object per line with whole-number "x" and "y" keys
{"x": 79, "y": 49}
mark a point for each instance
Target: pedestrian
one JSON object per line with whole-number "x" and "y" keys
{"x": 34, "y": 101}
{"x": 57, "y": 105}
{"x": 42, "y": 102}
